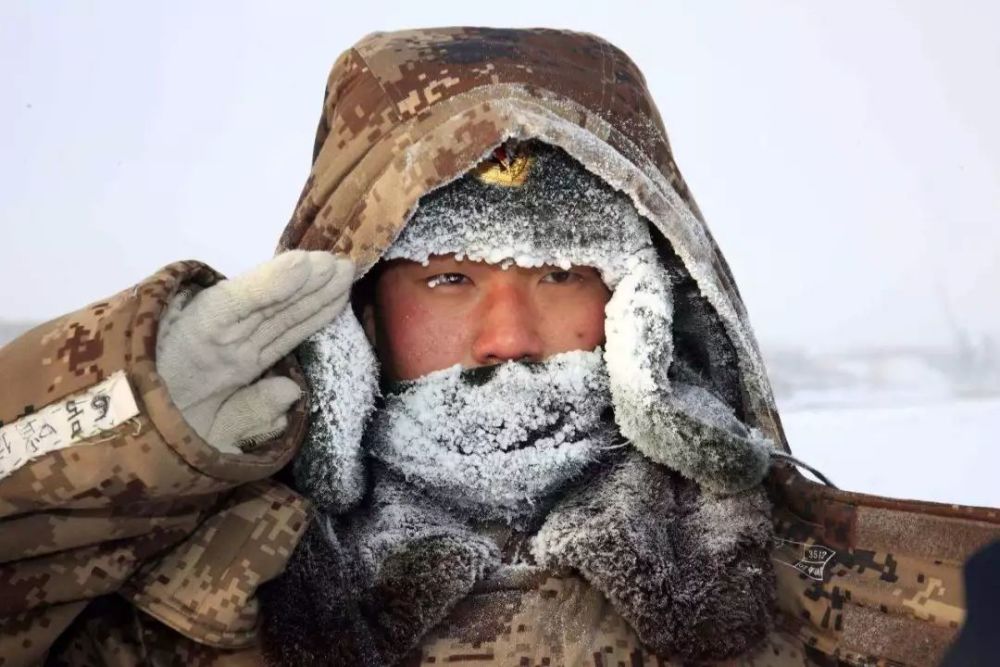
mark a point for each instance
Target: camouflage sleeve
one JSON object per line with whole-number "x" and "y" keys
{"x": 100, "y": 475}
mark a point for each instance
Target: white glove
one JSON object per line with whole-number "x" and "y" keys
{"x": 212, "y": 345}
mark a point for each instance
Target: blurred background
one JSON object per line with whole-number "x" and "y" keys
{"x": 846, "y": 156}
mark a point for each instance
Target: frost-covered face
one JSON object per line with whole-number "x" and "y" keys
{"x": 497, "y": 442}
{"x": 429, "y": 317}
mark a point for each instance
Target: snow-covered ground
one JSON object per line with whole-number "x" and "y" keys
{"x": 941, "y": 450}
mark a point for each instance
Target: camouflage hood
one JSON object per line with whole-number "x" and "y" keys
{"x": 861, "y": 579}
{"x": 407, "y": 112}
{"x": 146, "y": 545}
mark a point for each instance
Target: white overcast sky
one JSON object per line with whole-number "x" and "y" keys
{"x": 847, "y": 155}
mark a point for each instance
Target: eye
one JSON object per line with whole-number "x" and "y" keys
{"x": 561, "y": 277}
{"x": 447, "y": 279}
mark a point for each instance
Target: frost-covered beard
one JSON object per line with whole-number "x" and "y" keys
{"x": 497, "y": 442}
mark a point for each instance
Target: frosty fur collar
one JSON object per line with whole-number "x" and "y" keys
{"x": 691, "y": 573}
{"x": 497, "y": 442}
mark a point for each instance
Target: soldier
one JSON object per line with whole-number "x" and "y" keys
{"x": 494, "y": 456}
{"x": 144, "y": 491}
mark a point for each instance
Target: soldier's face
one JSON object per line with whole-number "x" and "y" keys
{"x": 426, "y": 318}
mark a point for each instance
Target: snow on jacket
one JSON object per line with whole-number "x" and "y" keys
{"x": 143, "y": 515}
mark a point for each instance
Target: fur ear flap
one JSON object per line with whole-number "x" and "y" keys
{"x": 311, "y": 615}
{"x": 691, "y": 573}
{"x": 334, "y": 605}
{"x": 342, "y": 371}
{"x": 680, "y": 425}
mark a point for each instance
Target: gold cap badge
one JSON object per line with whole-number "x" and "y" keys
{"x": 504, "y": 169}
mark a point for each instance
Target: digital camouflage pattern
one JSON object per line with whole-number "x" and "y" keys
{"x": 406, "y": 112}
{"x": 409, "y": 111}
{"x": 148, "y": 512}
{"x": 862, "y": 580}
{"x": 869, "y": 580}
{"x": 552, "y": 616}
{"x": 558, "y": 619}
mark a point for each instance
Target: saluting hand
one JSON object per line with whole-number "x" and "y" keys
{"x": 214, "y": 345}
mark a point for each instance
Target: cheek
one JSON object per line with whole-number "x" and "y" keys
{"x": 577, "y": 324}
{"x": 589, "y": 330}
{"x": 416, "y": 338}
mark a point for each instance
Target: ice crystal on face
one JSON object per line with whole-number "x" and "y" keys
{"x": 499, "y": 439}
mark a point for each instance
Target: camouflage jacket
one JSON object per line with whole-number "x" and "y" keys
{"x": 143, "y": 515}
{"x": 861, "y": 579}
{"x": 104, "y": 489}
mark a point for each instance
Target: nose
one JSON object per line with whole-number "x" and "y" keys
{"x": 508, "y": 328}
